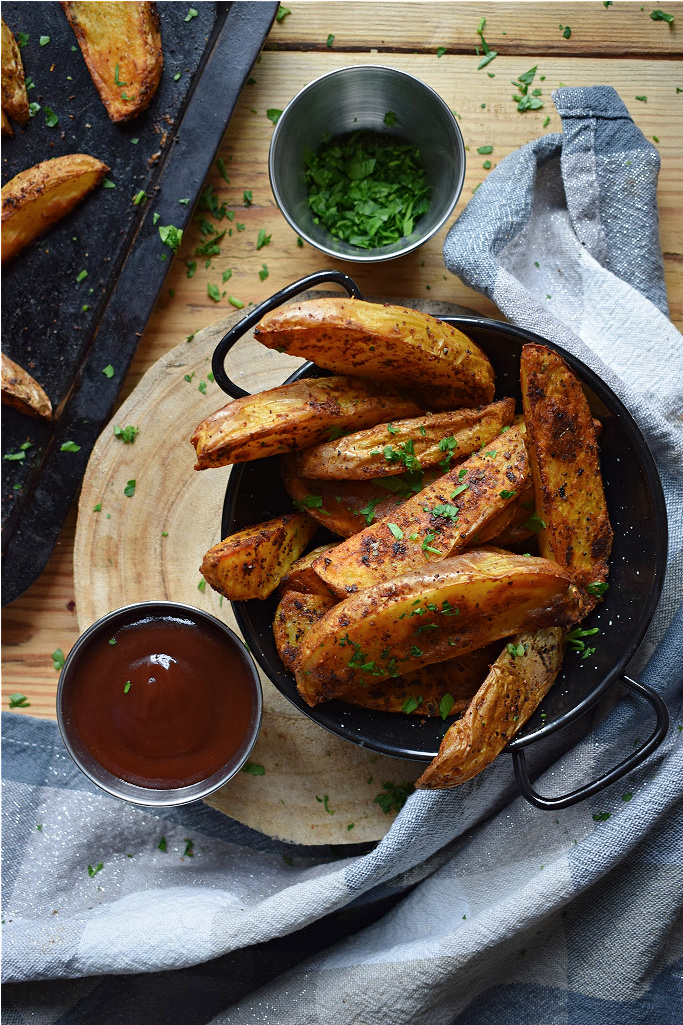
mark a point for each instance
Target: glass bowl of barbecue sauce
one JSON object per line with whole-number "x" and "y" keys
{"x": 159, "y": 703}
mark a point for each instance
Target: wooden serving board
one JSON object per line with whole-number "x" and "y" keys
{"x": 149, "y": 546}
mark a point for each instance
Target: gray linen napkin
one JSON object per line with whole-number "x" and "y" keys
{"x": 517, "y": 914}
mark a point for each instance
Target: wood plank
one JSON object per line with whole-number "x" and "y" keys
{"x": 622, "y": 30}
{"x": 42, "y": 620}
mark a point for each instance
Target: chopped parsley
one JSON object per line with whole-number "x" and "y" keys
{"x": 189, "y": 848}
{"x": 273, "y": 114}
{"x": 97, "y": 508}
{"x": 254, "y": 769}
{"x": 220, "y": 164}
{"x": 116, "y": 78}
{"x": 129, "y": 489}
{"x": 201, "y": 586}
{"x": 516, "y": 650}
{"x": 81, "y": 276}
{"x": 227, "y": 274}
{"x": 213, "y": 292}
{"x": 126, "y": 687}
{"x": 93, "y": 871}
{"x": 329, "y": 40}
{"x": 440, "y": 51}
{"x": 191, "y": 268}
{"x": 369, "y": 511}
{"x": 535, "y": 524}
{"x": 643, "y": 99}
{"x": 396, "y": 531}
{"x": 508, "y": 494}
{"x": 522, "y": 98}
{"x": 445, "y": 705}
{"x": 263, "y": 239}
{"x": 567, "y": 33}
{"x": 390, "y": 119}
{"x": 140, "y": 198}
{"x": 393, "y": 796}
{"x": 263, "y": 273}
{"x": 575, "y": 641}
{"x": 44, "y": 40}
{"x": 410, "y": 704}
{"x": 247, "y": 195}
{"x": 161, "y": 846}
{"x": 627, "y": 796}
{"x": 69, "y": 446}
{"x": 51, "y": 118}
{"x": 282, "y": 13}
{"x": 192, "y": 13}
{"x": 19, "y": 701}
{"x": 22, "y": 40}
{"x": 366, "y": 188}
{"x": 602, "y": 816}
{"x": 171, "y": 236}
{"x": 459, "y": 490}
{"x": 57, "y": 659}
{"x": 237, "y": 303}
{"x": 488, "y": 53}
{"x": 449, "y": 512}
{"x": 325, "y": 801}
{"x": 597, "y": 589}
{"x": 655, "y": 15}
{"x": 126, "y": 434}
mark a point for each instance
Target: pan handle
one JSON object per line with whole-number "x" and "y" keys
{"x": 630, "y": 762}
{"x": 284, "y": 295}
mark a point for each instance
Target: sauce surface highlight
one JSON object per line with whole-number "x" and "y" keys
{"x": 162, "y": 702}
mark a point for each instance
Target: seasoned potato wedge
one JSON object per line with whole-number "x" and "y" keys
{"x": 14, "y": 98}
{"x": 512, "y": 691}
{"x": 347, "y": 507}
{"x": 294, "y": 416}
{"x": 6, "y": 127}
{"x": 252, "y": 562}
{"x": 431, "y": 616}
{"x": 121, "y": 45}
{"x": 386, "y": 343}
{"x": 388, "y": 449}
{"x": 565, "y": 464}
{"x": 429, "y": 527}
{"x": 21, "y": 391}
{"x": 442, "y": 689}
{"x": 302, "y": 578}
{"x": 37, "y": 198}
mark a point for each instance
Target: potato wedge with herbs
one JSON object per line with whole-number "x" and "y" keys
{"x": 518, "y": 681}
{"x": 22, "y": 392}
{"x": 565, "y": 464}
{"x": 13, "y": 85}
{"x": 294, "y": 416}
{"x": 303, "y": 579}
{"x": 37, "y": 198}
{"x": 252, "y": 562}
{"x": 425, "y": 617}
{"x": 347, "y": 507}
{"x": 435, "y": 524}
{"x": 440, "y": 690}
{"x": 435, "y": 439}
{"x": 385, "y": 343}
{"x": 121, "y": 45}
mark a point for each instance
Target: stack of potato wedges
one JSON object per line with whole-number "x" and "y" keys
{"x": 430, "y": 485}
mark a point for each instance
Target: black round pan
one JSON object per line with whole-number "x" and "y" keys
{"x": 638, "y": 516}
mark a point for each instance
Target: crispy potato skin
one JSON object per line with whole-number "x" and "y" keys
{"x": 37, "y": 198}
{"x": 303, "y": 579}
{"x": 252, "y": 562}
{"x": 6, "y": 126}
{"x": 509, "y": 695}
{"x": 126, "y": 35}
{"x": 292, "y": 417}
{"x": 20, "y": 390}
{"x": 459, "y": 677}
{"x": 386, "y": 343}
{"x": 13, "y": 85}
{"x": 411, "y": 622}
{"x": 565, "y": 464}
{"x": 380, "y": 451}
{"x": 422, "y": 537}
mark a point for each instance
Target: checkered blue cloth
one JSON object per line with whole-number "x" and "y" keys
{"x": 476, "y": 907}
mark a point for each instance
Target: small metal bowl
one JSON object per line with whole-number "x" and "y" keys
{"x": 114, "y": 785}
{"x": 356, "y": 98}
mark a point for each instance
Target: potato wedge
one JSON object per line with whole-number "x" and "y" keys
{"x": 347, "y": 507}
{"x": 294, "y": 416}
{"x": 435, "y": 439}
{"x": 429, "y": 527}
{"x": 121, "y": 45}
{"x": 517, "y": 523}
{"x": 431, "y": 616}
{"x": 565, "y": 464}
{"x": 511, "y": 692}
{"x": 22, "y": 392}
{"x": 6, "y": 127}
{"x": 13, "y": 85}
{"x": 303, "y": 579}
{"x": 386, "y": 343}
{"x": 37, "y": 198}
{"x": 443, "y": 689}
{"x": 252, "y": 562}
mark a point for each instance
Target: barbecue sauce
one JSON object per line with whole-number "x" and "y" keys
{"x": 163, "y": 702}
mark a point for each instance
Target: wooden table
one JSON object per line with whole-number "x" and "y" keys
{"x": 617, "y": 45}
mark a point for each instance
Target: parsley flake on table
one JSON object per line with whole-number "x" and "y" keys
{"x": 441, "y": 50}
{"x": 192, "y": 13}
{"x": 81, "y": 276}
{"x": 237, "y": 303}
{"x": 126, "y": 434}
{"x": 273, "y": 114}
{"x": 484, "y": 150}
{"x": 108, "y": 184}
{"x": 44, "y": 40}
{"x": 282, "y": 13}
{"x": 254, "y": 769}
{"x": 69, "y": 446}
{"x": 51, "y": 118}
{"x": 263, "y": 239}
{"x": 643, "y": 99}
{"x": 655, "y": 15}
{"x": 329, "y": 40}
{"x": 191, "y": 268}
{"x": 97, "y": 508}
{"x": 57, "y": 659}
{"x": 19, "y": 701}
{"x": 394, "y": 796}
{"x": 213, "y": 292}
{"x": 263, "y": 273}
{"x": 366, "y": 188}
{"x": 129, "y": 489}
{"x": 248, "y": 197}
{"x": 22, "y": 39}
{"x": 201, "y": 586}
{"x": 567, "y": 33}
{"x": 171, "y": 236}
{"x": 220, "y": 164}
{"x": 140, "y": 198}
{"x": 487, "y": 165}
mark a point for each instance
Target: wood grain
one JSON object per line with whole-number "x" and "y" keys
{"x": 619, "y": 46}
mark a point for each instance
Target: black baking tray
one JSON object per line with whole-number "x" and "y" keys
{"x": 167, "y": 152}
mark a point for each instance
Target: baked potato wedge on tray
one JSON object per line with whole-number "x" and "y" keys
{"x": 252, "y": 562}
{"x": 441, "y": 520}
{"x": 518, "y": 681}
{"x": 121, "y": 45}
{"x": 295, "y": 416}
{"x": 37, "y": 198}
{"x": 20, "y": 390}
{"x": 565, "y": 465}
{"x": 430, "y": 616}
{"x": 303, "y": 579}
{"x": 385, "y": 343}
{"x": 444, "y": 689}
{"x": 435, "y": 439}
{"x": 13, "y": 85}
